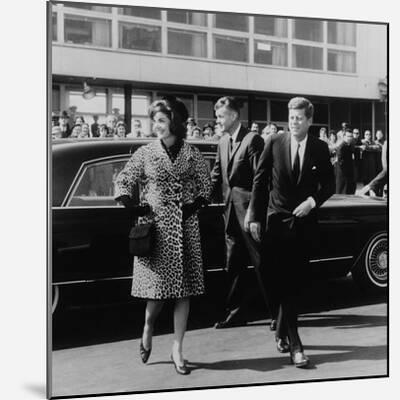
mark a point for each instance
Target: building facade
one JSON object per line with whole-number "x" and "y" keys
{"x": 133, "y": 55}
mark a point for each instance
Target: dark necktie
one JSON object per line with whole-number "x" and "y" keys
{"x": 230, "y": 146}
{"x": 296, "y": 165}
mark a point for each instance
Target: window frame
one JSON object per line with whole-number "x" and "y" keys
{"x": 81, "y": 173}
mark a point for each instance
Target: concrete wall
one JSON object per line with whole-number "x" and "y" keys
{"x": 126, "y": 65}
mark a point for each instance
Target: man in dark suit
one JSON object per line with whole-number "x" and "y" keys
{"x": 345, "y": 152}
{"x": 233, "y": 172}
{"x": 294, "y": 177}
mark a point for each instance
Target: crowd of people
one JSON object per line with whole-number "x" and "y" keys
{"x": 356, "y": 159}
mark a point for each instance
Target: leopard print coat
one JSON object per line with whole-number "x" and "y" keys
{"x": 174, "y": 269}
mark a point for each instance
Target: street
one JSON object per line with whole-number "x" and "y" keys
{"x": 344, "y": 334}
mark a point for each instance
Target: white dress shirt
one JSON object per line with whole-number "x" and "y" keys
{"x": 235, "y": 134}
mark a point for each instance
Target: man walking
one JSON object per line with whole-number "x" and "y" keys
{"x": 295, "y": 177}
{"x": 236, "y": 161}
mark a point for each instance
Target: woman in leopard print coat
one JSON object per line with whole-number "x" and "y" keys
{"x": 176, "y": 183}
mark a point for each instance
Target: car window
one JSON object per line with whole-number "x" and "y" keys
{"x": 96, "y": 184}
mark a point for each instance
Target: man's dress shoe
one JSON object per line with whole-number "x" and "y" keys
{"x": 272, "y": 326}
{"x": 299, "y": 359}
{"x": 282, "y": 345}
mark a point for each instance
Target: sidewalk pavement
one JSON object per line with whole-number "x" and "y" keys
{"x": 342, "y": 343}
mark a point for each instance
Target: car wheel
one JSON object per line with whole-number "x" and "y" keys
{"x": 371, "y": 270}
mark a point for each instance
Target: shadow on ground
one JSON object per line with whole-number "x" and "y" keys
{"x": 82, "y": 326}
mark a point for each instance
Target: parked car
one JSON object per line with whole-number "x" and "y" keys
{"x": 89, "y": 230}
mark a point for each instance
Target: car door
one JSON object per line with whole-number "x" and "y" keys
{"x": 90, "y": 230}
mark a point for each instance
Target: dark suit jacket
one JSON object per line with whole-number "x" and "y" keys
{"x": 235, "y": 173}
{"x": 316, "y": 179}
{"x": 345, "y": 169}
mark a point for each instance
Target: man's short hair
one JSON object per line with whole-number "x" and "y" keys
{"x": 228, "y": 101}
{"x": 301, "y": 103}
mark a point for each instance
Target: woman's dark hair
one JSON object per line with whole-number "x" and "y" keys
{"x": 104, "y": 126}
{"x": 175, "y": 110}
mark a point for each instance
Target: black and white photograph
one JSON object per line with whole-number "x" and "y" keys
{"x": 216, "y": 202}
{"x": 219, "y": 199}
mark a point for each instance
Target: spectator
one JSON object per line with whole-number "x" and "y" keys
{"x": 136, "y": 130}
{"x": 94, "y": 128}
{"x": 112, "y": 125}
{"x": 370, "y": 158}
{"x": 54, "y": 119}
{"x": 357, "y": 154}
{"x": 85, "y": 131}
{"x": 191, "y": 123}
{"x": 254, "y": 128}
{"x": 121, "y": 130}
{"x": 64, "y": 125}
{"x": 196, "y": 133}
{"x": 323, "y": 135}
{"x": 367, "y": 141}
{"x": 340, "y": 133}
{"x": 104, "y": 131}
{"x": 332, "y": 146}
{"x": 345, "y": 183}
{"x": 79, "y": 120}
{"x": 356, "y": 137}
{"x": 379, "y": 182}
{"x": 56, "y": 132}
{"x": 265, "y": 132}
{"x": 76, "y": 131}
{"x": 207, "y": 131}
{"x": 273, "y": 128}
{"x": 380, "y": 138}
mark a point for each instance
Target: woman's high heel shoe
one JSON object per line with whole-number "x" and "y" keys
{"x": 180, "y": 369}
{"x": 144, "y": 354}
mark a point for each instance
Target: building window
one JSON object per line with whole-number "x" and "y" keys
{"x": 88, "y": 31}
{"x": 270, "y": 26}
{"x": 205, "y": 109}
{"x": 230, "y": 48}
{"x": 186, "y": 17}
{"x": 320, "y": 113}
{"x": 259, "y": 110}
{"x": 88, "y": 7}
{"x": 54, "y": 26}
{"x": 279, "y": 110}
{"x": 187, "y": 43}
{"x": 343, "y": 33}
{"x": 139, "y": 110}
{"x": 139, "y": 37}
{"x": 142, "y": 12}
{"x": 118, "y": 103}
{"x": 307, "y": 57}
{"x": 341, "y": 61}
{"x": 308, "y": 29}
{"x": 234, "y": 22}
{"x": 270, "y": 53}
{"x": 55, "y": 103}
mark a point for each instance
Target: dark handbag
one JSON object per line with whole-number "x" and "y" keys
{"x": 141, "y": 239}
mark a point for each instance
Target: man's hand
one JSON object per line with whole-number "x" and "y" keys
{"x": 303, "y": 208}
{"x": 246, "y": 223}
{"x": 255, "y": 230}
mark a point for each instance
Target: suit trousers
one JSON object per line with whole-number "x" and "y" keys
{"x": 285, "y": 258}
{"x": 241, "y": 250}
